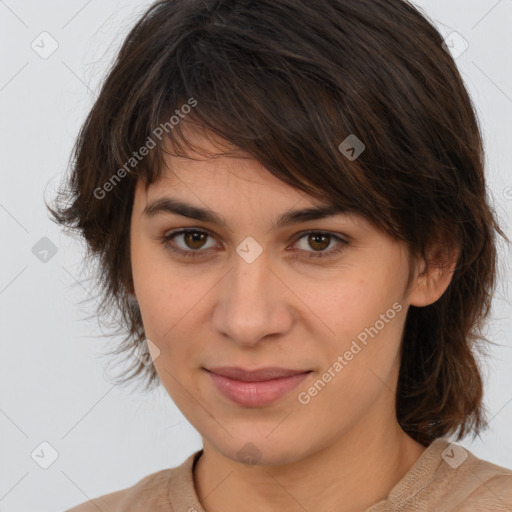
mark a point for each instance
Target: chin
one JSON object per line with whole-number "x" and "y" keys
{"x": 261, "y": 449}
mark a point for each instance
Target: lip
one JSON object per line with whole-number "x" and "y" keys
{"x": 255, "y": 388}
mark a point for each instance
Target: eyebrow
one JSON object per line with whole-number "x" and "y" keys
{"x": 168, "y": 205}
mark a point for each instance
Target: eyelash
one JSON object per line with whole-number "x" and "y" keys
{"x": 194, "y": 254}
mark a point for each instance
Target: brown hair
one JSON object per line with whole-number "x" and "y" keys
{"x": 288, "y": 81}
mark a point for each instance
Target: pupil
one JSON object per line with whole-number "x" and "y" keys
{"x": 194, "y": 238}
{"x": 314, "y": 239}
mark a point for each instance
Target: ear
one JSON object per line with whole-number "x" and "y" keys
{"x": 433, "y": 274}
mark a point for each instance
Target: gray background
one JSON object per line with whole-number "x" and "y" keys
{"x": 56, "y": 387}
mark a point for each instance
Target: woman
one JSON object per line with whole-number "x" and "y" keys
{"x": 288, "y": 204}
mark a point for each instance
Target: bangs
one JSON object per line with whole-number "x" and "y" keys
{"x": 356, "y": 103}
{"x": 288, "y": 107}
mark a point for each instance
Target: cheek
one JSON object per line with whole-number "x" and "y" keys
{"x": 351, "y": 303}
{"x": 163, "y": 295}
{"x": 365, "y": 322}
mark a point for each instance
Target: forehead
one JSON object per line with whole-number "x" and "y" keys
{"x": 216, "y": 181}
{"x": 214, "y": 168}
{"x": 224, "y": 177}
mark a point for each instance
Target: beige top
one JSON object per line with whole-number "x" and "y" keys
{"x": 445, "y": 478}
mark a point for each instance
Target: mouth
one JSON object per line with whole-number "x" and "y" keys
{"x": 255, "y": 388}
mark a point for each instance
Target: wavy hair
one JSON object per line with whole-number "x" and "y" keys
{"x": 288, "y": 81}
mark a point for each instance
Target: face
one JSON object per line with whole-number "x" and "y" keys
{"x": 322, "y": 299}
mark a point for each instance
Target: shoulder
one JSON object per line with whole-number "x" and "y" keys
{"x": 450, "y": 478}
{"x": 494, "y": 493}
{"x": 148, "y": 491}
{"x": 480, "y": 485}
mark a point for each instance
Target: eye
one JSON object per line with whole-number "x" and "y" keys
{"x": 194, "y": 243}
{"x": 319, "y": 241}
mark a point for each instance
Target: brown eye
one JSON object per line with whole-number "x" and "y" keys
{"x": 315, "y": 243}
{"x": 188, "y": 242}
{"x": 318, "y": 241}
{"x": 193, "y": 243}
{"x": 194, "y": 239}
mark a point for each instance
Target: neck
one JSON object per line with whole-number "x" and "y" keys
{"x": 348, "y": 476}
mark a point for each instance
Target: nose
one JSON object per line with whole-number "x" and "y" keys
{"x": 253, "y": 303}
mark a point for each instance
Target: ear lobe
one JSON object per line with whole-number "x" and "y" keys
{"x": 434, "y": 275}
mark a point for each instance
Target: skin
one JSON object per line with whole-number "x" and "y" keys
{"x": 344, "y": 450}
